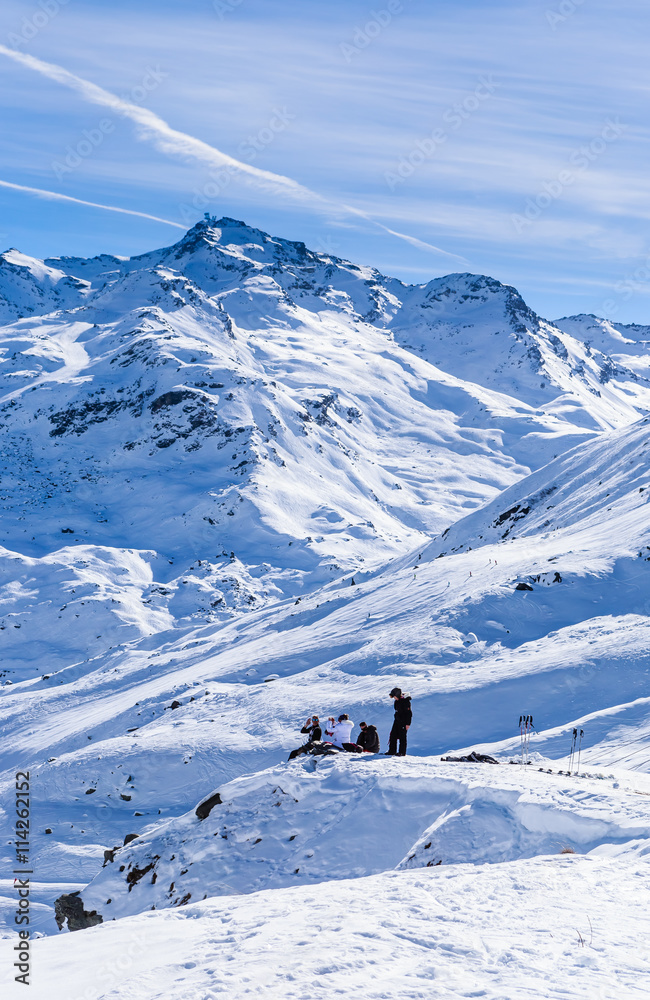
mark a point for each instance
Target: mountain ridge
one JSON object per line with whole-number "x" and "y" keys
{"x": 262, "y": 418}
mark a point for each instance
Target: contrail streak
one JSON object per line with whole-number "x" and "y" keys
{"x": 151, "y": 127}
{"x": 55, "y": 196}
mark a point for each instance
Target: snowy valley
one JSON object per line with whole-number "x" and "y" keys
{"x": 243, "y": 482}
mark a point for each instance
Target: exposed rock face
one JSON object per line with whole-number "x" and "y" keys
{"x": 204, "y": 808}
{"x": 69, "y": 907}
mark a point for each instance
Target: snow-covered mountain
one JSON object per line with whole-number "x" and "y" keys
{"x": 212, "y": 426}
{"x": 612, "y": 338}
{"x": 243, "y": 482}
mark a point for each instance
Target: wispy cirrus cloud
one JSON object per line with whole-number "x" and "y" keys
{"x": 152, "y": 128}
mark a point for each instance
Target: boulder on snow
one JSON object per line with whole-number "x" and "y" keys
{"x": 70, "y": 907}
{"x": 523, "y": 586}
{"x": 204, "y": 808}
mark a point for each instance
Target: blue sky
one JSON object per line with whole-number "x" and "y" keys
{"x": 507, "y": 139}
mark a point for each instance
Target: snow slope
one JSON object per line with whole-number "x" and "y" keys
{"x": 31, "y": 287}
{"x": 451, "y": 627}
{"x": 545, "y": 928}
{"x": 243, "y": 482}
{"x": 348, "y": 817}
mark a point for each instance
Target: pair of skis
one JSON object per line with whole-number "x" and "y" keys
{"x": 576, "y": 737}
{"x": 525, "y": 729}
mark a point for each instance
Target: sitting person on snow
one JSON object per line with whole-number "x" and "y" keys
{"x": 312, "y": 729}
{"x": 329, "y": 728}
{"x": 342, "y": 733}
{"x": 368, "y": 738}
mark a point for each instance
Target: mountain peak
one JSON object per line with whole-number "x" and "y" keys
{"x": 224, "y": 230}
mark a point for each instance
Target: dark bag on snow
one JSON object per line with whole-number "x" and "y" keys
{"x": 473, "y": 758}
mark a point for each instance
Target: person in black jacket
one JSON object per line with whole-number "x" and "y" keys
{"x": 313, "y": 730}
{"x": 401, "y": 723}
{"x": 368, "y": 738}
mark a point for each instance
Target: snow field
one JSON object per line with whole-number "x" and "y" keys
{"x": 545, "y": 928}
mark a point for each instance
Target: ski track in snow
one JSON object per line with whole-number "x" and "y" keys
{"x": 234, "y": 458}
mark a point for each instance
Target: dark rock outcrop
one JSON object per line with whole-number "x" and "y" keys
{"x": 136, "y": 874}
{"x": 70, "y": 907}
{"x": 204, "y": 808}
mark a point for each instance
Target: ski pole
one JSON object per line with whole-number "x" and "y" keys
{"x": 521, "y": 738}
{"x": 582, "y": 732}
{"x": 573, "y": 746}
{"x": 523, "y": 747}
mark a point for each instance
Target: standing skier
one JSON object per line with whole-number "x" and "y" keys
{"x": 401, "y": 723}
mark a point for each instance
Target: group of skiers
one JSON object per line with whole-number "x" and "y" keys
{"x": 336, "y": 735}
